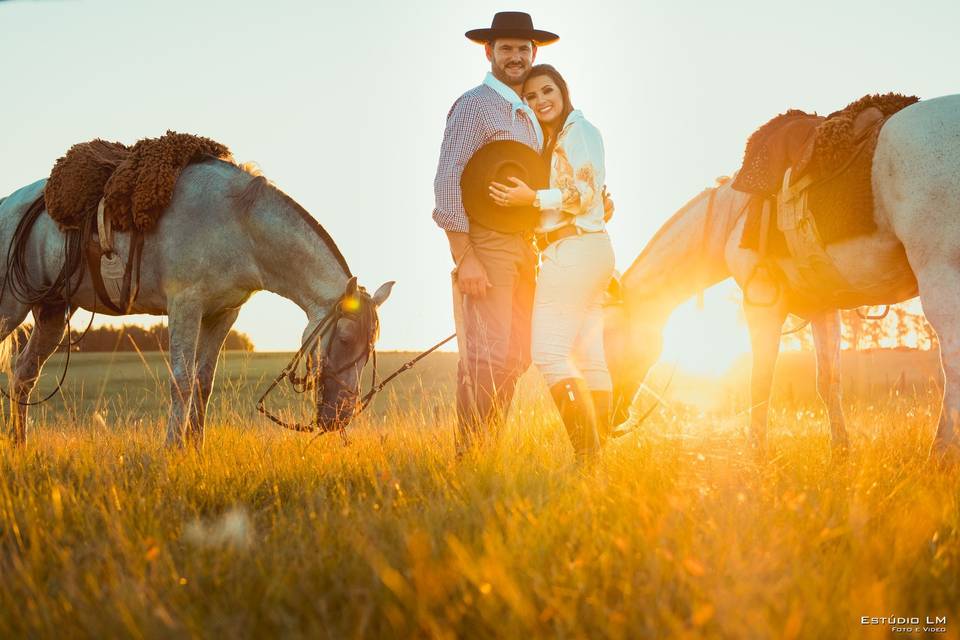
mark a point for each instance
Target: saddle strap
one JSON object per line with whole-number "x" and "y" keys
{"x": 766, "y": 212}
{"x": 131, "y": 278}
{"x": 131, "y": 275}
{"x": 104, "y": 229}
{"x": 816, "y": 272}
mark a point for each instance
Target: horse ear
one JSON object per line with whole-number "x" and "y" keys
{"x": 383, "y": 293}
{"x": 351, "y": 286}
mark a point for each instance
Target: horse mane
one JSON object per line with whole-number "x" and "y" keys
{"x": 259, "y": 184}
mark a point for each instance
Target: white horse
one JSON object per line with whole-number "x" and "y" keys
{"x": 915, "y": 248}
{"x": 225, "y": 235}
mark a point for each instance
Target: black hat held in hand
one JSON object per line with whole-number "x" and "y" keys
{"x": 498, "y": 162}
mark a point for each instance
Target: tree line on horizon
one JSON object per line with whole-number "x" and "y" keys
{"x": 901, "y": 328}
{"x": 131, "y": 337}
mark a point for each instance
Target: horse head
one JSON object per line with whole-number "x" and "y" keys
{"x": 343, "y": 353}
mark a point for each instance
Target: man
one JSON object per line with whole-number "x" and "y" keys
{"x": 494, "y": 273}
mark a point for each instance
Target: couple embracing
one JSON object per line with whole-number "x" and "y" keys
{"x": 507, "y": 312}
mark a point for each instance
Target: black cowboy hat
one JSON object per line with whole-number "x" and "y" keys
{"x": 512, "y": 24}
{"x": 497, "y": 162}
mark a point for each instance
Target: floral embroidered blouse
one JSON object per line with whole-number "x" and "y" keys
{"x": 576, "y": 178}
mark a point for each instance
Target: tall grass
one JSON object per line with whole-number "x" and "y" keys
{"x": 678, "y": 531}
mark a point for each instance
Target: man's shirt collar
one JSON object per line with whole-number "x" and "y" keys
{"x": 508, "y": 94}
{"x": 515, "y": 101}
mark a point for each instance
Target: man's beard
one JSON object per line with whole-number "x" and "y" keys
{"x": 501, "y": 75}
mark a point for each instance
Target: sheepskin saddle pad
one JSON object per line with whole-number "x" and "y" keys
{"x": 136, "y": 183}
{"x": 835, "y": 151}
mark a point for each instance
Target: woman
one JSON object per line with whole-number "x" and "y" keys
{"x": 576, "y": 261}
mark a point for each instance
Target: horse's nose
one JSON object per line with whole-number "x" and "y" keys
{"x": 336, "y": 415}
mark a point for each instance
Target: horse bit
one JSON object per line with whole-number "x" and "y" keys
{"x": 317, "y": 374}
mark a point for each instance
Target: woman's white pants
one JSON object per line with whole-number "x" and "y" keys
{"x": 568, "y": 310}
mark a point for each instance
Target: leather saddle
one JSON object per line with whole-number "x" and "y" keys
{"x": 788, "y": 142}
{"x": 784, "y": 220}
{"x": 115, "y": 281}
{"x": 787, "y": 148}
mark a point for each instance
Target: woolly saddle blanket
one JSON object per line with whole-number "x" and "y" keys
{"x": 836, "y": 151}
{"x": 136, "y": 183}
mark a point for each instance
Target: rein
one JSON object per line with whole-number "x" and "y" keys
{"x": 301, "y": 384}
{"x": 66, "y": 362}
{"x": 376, "y": 388}
{"x": 16, "y": 281}
{"x": 658, "y": 400}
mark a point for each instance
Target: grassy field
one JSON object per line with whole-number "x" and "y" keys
{"x": 678, "y": 531}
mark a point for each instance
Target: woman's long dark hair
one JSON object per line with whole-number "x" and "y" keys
{"x": 548, "y": 70}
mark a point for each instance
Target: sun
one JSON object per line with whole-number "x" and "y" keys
{"x": 706, "y": 341}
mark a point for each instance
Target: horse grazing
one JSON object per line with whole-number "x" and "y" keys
{"x": 225, "y": 235}
{"x": 914, "y": 248}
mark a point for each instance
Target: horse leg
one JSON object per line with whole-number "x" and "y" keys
{"x": 46, "y": 336}
{"x": 765, "y": 325}
{"x": 12, "y": 314}
{"x": 185, "y": 318}
{"x": 939, "y": 285}
{"x": 826, "y": 337}
{"x": 213, "y": 333}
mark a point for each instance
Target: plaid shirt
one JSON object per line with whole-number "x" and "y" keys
{"x": 491, "y": 111}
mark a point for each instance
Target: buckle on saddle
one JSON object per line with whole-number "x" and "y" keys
{"x": 111, "y": 265}
{"x": 115, "y": 281}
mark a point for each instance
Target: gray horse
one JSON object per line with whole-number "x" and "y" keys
{"x": 226, "y": 234}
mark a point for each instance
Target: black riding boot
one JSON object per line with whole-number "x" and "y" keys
{"x": 576, "y": 409}
{"x": 601, "y": 407}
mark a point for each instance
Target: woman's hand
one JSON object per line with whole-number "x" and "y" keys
{"x": 607, "y": 205}
{"x": 519, "y": 195}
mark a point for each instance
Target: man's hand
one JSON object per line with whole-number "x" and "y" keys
{"x": 607, "y": 205}
{"x": 472, "y": 277}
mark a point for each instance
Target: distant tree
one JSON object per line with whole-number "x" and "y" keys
{"x": 904, "y": 326}
{"x": 131, "y": 337}
{"x": 237, "y": 341}
{"x": 923, "y": 329}
{"x": 864, "y": 332}
{"x": 801, "y": 340}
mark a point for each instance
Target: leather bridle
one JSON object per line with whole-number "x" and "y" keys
{"x": 319, "y": 373}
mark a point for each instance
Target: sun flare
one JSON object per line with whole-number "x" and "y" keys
{"x": 706, "y": 341}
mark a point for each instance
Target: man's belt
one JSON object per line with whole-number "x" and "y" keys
{"x": 546, "y": 239}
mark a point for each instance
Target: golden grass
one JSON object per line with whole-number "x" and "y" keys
{"x": 677, "y": 532}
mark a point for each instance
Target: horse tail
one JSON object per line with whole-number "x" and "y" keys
{"x": 7, "y": 347}
{"x": 9, "y": 340}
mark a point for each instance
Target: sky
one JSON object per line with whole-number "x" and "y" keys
{"x": 343, "y": 106}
